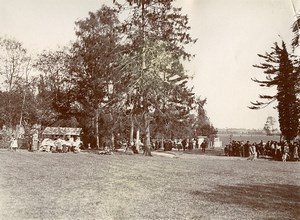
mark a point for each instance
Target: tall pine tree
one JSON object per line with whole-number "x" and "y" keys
{"x": 155, "y": 28}
{"x": 281, "y": 72}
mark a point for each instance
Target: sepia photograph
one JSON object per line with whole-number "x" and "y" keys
{"x": 149, "y": 109}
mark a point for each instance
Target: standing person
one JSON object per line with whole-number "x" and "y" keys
{"x": 285, "y": 152}
{"x": 203, "y": 145}
{"x": 252, "y": 152}
{"x": 246, "y": 149}
{"x": 179, "y": 144}
{"x": 184, "y": 142}
{"x": 71, "y": 143}
{"x": 59, "y": 144}
{"x": 35, "y": 142}
{"x": 13, "y": 143}
{"x": 226, "y": 150}
{"x": 277, "y": 151}
{"x": 272, "y": 148}
{"x": 75, "y": 144}
{"x": 296, "y": 152}
{"x": 255, "y": 154}
{"x": 190, "y": 144}
{"x": 194, "y": 143}
{"x": 66, "y": 144}
{"x": 262, "y": 148}
{"x": 231, "y": 148}
{"x": 133, "y": 146}
{"x": 257, "y": 151}
{"x": 291, "y": 151}
{"x": 241, "y": 146}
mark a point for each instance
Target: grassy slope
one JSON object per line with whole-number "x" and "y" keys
{"x": 90, "y": 186}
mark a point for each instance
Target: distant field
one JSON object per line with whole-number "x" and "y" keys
{"x": 90, "y": 186}
{"x": 251, "y": 138}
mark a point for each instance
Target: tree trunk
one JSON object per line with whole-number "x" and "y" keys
{"x": 97, "y": 127}
{"x": 22, "y": 107}
{"x": 137, "y": 142}
{"x": 131, "y": 130}
{"x": 113, "y": 141}
{"x": 10, "y": 112}
{"x": 147, "y": 144}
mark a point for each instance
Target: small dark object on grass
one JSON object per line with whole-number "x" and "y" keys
{"x": 105, "y": 152}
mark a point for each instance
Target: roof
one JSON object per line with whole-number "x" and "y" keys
{"x": 61, "y": 131}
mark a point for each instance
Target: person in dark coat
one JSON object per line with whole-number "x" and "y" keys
{"x": 203, "y": 146}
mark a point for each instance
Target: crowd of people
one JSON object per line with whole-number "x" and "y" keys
{"x": 281, "y": 151}
{"x": 277, "y": 150}
{"x": 60, "y": 144}
{"x": 184, "y": 144}
{"x": 179, "y": 144}
{"x": 54, "y": 144}
{"x": 166, "y": 144}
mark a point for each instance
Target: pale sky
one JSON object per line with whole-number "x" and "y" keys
{"x": 230, "y": 34}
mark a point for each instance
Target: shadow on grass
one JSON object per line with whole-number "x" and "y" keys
{"x": 268, "y": 197}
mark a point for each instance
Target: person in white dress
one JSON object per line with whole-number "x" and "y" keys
{"x": 35, "y": 142}
{"x": 13, "y": 143}
{"x": 77, "y": 144}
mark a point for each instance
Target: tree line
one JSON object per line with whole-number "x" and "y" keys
{"x": 123, "y": 77}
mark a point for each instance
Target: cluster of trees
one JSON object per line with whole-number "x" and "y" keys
{"x": 282, "y": 70}
{"x": 269, "y": 126}
{"x": 119, "y": 78}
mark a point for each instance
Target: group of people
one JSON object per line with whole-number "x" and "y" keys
{"x": 60, "y": 144}
{"x": 184, "y": 144}
{"x": 281, "y": 151}
{"x": 165, "y": 144}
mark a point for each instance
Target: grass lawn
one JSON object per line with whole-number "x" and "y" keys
{"x": 192, "y": 186}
